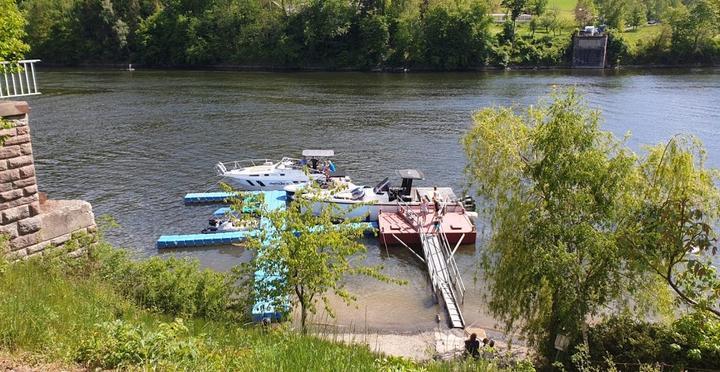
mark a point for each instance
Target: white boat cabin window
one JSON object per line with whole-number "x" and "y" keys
{"x": 260, "y": 183}
{"x": 254, "y": 175}
{"x": 250, "y": 182}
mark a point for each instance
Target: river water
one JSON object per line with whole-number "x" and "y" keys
{"x": 133, "y": 143}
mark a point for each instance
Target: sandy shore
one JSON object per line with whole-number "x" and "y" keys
{"x": 420, "y": 346}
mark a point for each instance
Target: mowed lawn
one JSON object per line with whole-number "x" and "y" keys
{"x": 565, "y": 5}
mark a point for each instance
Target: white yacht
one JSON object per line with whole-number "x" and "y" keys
{"x": 366, "y": 202}
{"x": 267, "y": 175}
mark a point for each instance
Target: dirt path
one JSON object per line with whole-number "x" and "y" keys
{"x": 25, "y": 364}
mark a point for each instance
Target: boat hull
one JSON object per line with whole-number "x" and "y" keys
{"x": 264, "y": 183}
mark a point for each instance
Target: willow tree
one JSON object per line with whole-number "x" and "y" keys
{"x": 670, "y": 231}
{"x": 307, "y": 256}
{"x": 553, "y": 186}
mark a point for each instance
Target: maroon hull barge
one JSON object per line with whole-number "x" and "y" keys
{"x": 396, "y": 229}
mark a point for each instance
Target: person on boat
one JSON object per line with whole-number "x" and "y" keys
{"x": 424, "y": 206}
{"x": 472, "y": 346}
{"x": 436, "y": 204}
{"x": 436, "y": 224}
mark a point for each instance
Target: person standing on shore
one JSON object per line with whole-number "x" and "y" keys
{"x": 472, "y": 346}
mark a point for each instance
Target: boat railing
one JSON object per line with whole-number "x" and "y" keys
{"x": 225, "y": 166}
{"x": 239, "y": 164}
{"x": 17, "y": 79}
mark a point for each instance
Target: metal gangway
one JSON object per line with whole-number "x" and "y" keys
{"x": 442, "y": 268}
{"x": 17, "y": 79}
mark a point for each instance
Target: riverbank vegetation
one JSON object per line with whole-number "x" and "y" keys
{"x": 584, "y": 229}
{"x": 364, "y": 34}
{"x": 175, "y": 316}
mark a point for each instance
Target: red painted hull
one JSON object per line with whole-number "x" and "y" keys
{"x": 393, "y": 228}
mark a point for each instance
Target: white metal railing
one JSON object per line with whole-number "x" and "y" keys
{"x": 17, "y": 79}
{"x": 225, "y": 166}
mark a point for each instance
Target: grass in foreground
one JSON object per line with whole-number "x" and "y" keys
{"x": 53, "y": 316}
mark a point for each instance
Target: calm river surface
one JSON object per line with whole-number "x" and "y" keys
{"x": 133, "y": 143}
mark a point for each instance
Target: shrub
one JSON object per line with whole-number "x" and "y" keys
{"x": 120, "y": 344}
{"x": 172, "y": 286}
{"x": 692, "y": 341}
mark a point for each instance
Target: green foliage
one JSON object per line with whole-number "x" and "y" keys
{"x": 670, "y": 231}
{"x": 456, "y": 37}
{"x": 617, "y": 50}
{"x": 637, "y": 14}
{"x": 46, "y": 311}
{"x": 585, "y": 13}
{"x": 121, "y": 344}
{"x": 691, "y": 341}
{"x": 12, "y": 23}
{"x": 533, "y": 51}
{"x": 693, "y": 29}
{"x": 612, "y": 13}
{"x": 579, "y": 222}
{"x": 553, "y": 183}
{"x": 374, "y": 37}
{"x": 54, "y": 315}
{"x": 306, "y": 256}
{"x": 171, "y": 286}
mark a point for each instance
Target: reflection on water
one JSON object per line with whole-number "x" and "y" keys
{"x": 134, "y": 143}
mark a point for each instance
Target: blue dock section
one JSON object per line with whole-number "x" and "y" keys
{"x": 207, "y": 197}
{"x": 199, "y": 240}
{"x": 263, "y": 308}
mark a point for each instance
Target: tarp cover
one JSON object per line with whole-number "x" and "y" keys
{"x": 318, "y": 153}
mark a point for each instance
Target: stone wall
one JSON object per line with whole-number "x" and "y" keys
{"x": 31, "y": 225}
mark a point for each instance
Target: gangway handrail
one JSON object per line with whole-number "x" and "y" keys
{"x": 453, "y": 271}
{"x": 454, "y": 280}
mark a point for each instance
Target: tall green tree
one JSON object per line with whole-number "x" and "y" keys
{"x": 553, "y": 184}
{"x": 306, "y": 257}
{"x": 584, "y": 13}
{"x": 456, "y": 37}
{"x": 12, "y": 32}
{"x": 637, "y": 14}
{"x": 670, "y": 231}
{"x": 694, "y": 26}
{"x": 514, "y": 8}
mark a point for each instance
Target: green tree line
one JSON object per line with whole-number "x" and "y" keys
{"x": 355, "y": 34}
{"x": 257, "y": 32}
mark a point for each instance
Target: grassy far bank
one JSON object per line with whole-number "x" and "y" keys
{"x": 74, "y": 313}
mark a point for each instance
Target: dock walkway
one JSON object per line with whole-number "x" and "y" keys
{"x": 447, "y": 283}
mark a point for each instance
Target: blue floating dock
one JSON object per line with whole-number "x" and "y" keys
{"x": 208, "y": 197}
{"x": 267, "y": 308}
{"x": 198, "y": 240}
{"x": 264, "y": 308}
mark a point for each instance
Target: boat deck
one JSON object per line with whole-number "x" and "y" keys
{"x": 456, "y": 225}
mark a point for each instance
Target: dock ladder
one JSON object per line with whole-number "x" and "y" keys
{"x": 442, "y": 268}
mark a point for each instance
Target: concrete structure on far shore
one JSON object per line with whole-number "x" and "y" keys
{"x": 589, "y": 51}
{"x": 34, "y": 226}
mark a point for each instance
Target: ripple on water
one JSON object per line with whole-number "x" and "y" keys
{"x": 134, "y": 144}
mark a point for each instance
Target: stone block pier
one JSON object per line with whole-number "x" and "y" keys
{"x": 31, "y": 223}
